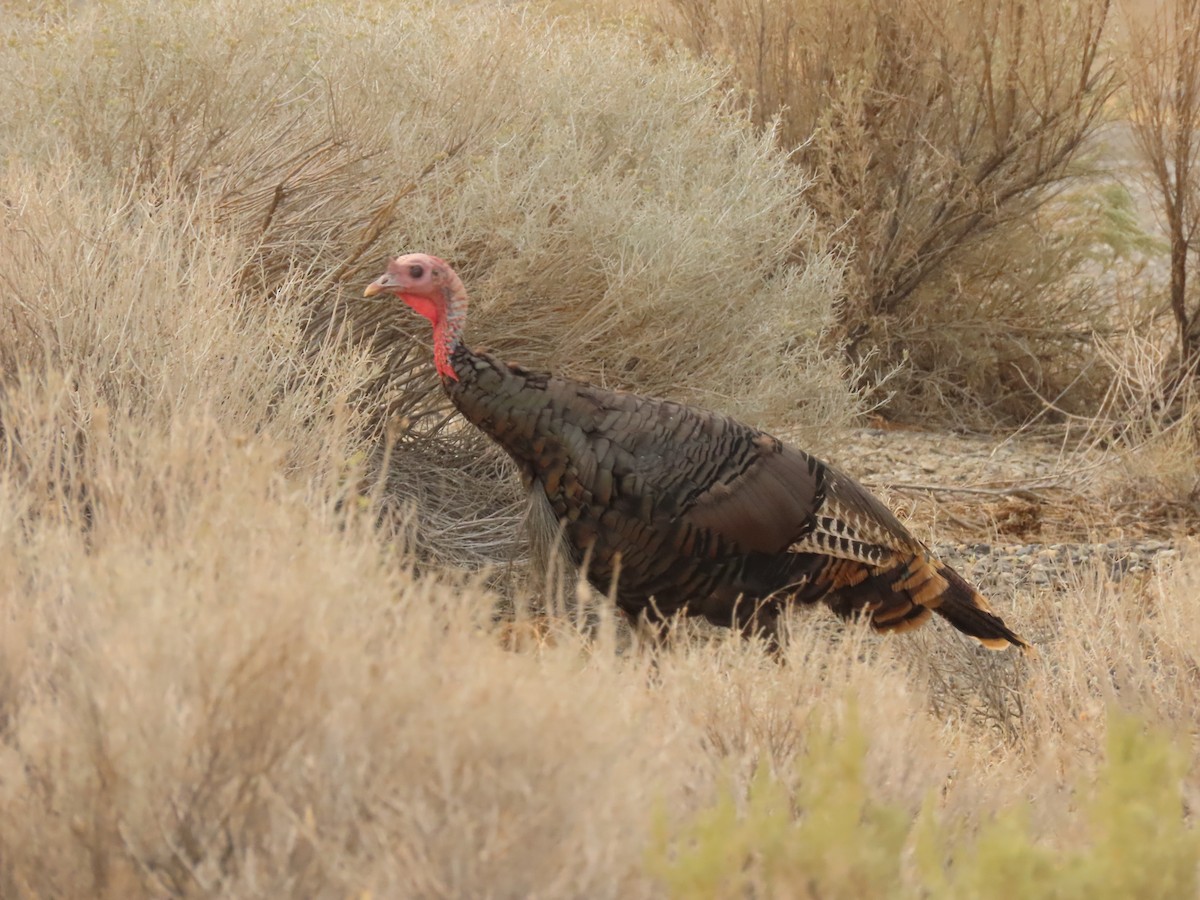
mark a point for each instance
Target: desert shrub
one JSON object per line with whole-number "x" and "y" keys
{"x": 1149, "y": 422}
{"x": 1161, "y": 59}
{"x": 938, "y": 134}
{"x": 841, "y": 844}
{"x": 236, "y": 688}
{"x": 123, "y": 318}
{"x": 583, "y": 190}
{"x": 219, "y": 677}
{"x": 232, "y": 687}
{"x": 830, "y": 837}
{"x": 614, "y": 217}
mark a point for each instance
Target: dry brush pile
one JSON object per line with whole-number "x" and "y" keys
{"x": 220, "y": 676}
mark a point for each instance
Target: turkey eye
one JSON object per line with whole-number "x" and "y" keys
{"x": 416, "y": 271}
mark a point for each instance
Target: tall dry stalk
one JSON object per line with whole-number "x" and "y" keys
{"x": 1163, "y": 71}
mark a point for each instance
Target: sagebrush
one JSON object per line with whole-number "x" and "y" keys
{"x": 583, "y": 189}
{"x": 235, "y": 658}
{"x": 940, "y": 137}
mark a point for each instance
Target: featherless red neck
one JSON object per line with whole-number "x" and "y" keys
{"x": 432, "y": 289}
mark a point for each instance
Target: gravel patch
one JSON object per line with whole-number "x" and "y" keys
{"x": 1024, "y": 566}
{"x": 1007, "y": 513}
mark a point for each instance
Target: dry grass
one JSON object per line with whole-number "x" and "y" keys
{"x": 939, "y": 136}
{"x": 582, "y": 189}
{"x": 219, "y": 676}
{"x": 1149, "y": 425}
{"x": 246, "y": 693}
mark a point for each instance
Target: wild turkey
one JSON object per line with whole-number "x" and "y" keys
{"x": 689, "y": 510}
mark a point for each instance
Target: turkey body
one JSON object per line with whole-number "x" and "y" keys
{"x": 678, "y": 509}
{"x": 685, "y": 510}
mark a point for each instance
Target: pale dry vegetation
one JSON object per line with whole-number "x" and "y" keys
{"x": 235, "y": 658}
{"x": 941, "y": 137}
{"x": 1150, "y": 410}
{"x": 1163, "y": 71}
{"x": 1014, "y": 188}
{"x": 583, "y": 190}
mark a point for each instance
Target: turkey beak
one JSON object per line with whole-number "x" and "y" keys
{"x": 378, "y": 286}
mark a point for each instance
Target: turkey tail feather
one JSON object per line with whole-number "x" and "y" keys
{"x": 964, "y": 608}
{"x": 904, "y": 594}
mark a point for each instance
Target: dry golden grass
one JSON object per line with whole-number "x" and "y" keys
{"x": 219, "y": 676}
{"x": 582, "y": 189}
{"x": 241, "y": 692}
{"x": 942, "y": 137}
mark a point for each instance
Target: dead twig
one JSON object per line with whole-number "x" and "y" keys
{"x": 1023, "y": 492}
{"x": 383, "y": 216}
